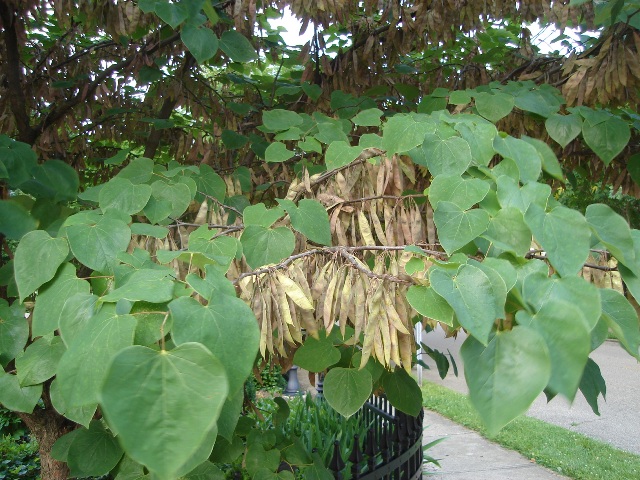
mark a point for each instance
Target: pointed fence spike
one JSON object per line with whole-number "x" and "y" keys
{"x": 336, "y": 464}
{"x": 356, "y": 457}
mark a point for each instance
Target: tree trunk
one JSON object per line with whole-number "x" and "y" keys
{"x": 47, "y": 426}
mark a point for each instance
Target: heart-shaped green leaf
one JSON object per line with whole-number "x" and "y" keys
{"x": 162, "y": 404}
{"x": 262, "y": 246}
{"x": 36, "y": 261}
{"x": 201, "y": 42}
{"x": 471, "y": 295}
{"x": 346, "y": 389}
{"x": 226, "y": 326}
{"x": 622, "y": 319}
{"x": 316, "y": 355}
{"x": 497, "y": 390}
{"x": 552, "y": 230}
{"x": 93, "y": 451}
{"x": 607, "y": 139}
{"x": 402, "y": 391}
{"x": 464, "y": 192}
{"x": 83, "y": 366}
{"x": 122, "y": 195}
{"x": 52, "y": 297}
{"x": 457, "y": 227}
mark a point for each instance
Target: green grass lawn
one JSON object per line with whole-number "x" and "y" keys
{"x": 568, "y": 453}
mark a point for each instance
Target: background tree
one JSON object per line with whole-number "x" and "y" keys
{"x": 395, "y": 169}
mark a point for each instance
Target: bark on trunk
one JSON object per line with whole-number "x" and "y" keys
{"x": 47, "y": 426}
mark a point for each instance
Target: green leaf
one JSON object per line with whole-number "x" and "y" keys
{"x": 538, "y": 289}
{"x": 316, "y": 355}
{"x": 277, "y": 152}
{"x": 83, "y": 366}
{"x": 76, "y": 312}
{"x": 233, "y": 140}
{"x": 14, "y": 331}
{"x": 510, "y": 194}
{"x": 138, "y": 171}
{"x": 93, "y": 451}
{"x": 494, "y": 106}
{"x": 564, "y": 128}
{"x": 565, "y": 332}
{"x": 613, "y": 231}
{"x": 550, "y": 162}
{"x": 552, "y": 230}
{"x": 259, "y": 215}
{"x": 537, "y": 101}
{"x": 226, "y": 326}
{"x": 36, "y": 261}
{"x": 459, "y": 97}
{"x": 96, "y": 244}
{"x": 633, "y": 167}
{"x": 230, "y": 414}
{"x": 464, "y": 192}
{"x": 159, "y": 422}
{"x": 177, "y": 195}
{"x": 402, "y": 133}
{"x": 329, "y": 132}
{"x": 39, "y": 361}
{"x": 310, "y": 144}
{"x": 215, "y": 283}
{"x": 154, "y": 231}
{"x": 508, "y": 232}
{"x": 201, "y": 42}
{"x": 200, "y": 456}
{"x": 346, "y": 389}
{"x": 472, "y": 297}
{"x": 259, "y": 460}
{"x": 172, "y": 13}
{"x": 277, "y": 119}
{"x": 340, "y": 153}
{"x": 497, "y": 390}
{"x": 15, "y": 220}
{"x": 81, "y": 415}
{"x": 457, "y": 227}
{"x": 429, "y": 304}
{"x": 17, "y": 398}
{"x": 402, "y": 391}
{"x": 622, "y": 320}
{"x": 368, "y": 118}
{"x": 262, "y": 246}
{"x": 210, "y": 183}
{"x": 606, "y": 139}
{"x": 480, "y": 139}
{"x": 445, "y": 156}
{"x": 60, "y": 448}
{"x": 153, "y": 286}
{"x": 310, "y": 219}
{"x": 237, "y": 47}
{"x": 52, "y": 297}
{"x": 525, "y": 155}
{"x": 204, "y": 471}
{"x": 592, "y": 385}
{"x": 53, "y": 179}
{"x": 314, "y": 92}
{"x": 122, "y": 195}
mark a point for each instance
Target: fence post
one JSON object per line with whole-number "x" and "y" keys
{"x": 336, "y": 464}
{"x": 356, "y": 457}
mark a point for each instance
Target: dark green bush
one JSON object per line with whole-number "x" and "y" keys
{"x": 19, "y": 458}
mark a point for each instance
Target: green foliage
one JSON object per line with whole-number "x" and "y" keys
{"x": 125, "y": 284}
{"x": 18, "y": 459}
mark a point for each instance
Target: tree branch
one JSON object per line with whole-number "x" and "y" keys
{"x": 89, "y": 89}
{"x": 13, "y": 73}
{"x": 169, "y": 104}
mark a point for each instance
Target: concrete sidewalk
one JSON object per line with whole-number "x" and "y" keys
{"x": 619, "y": 420}
{"x": 464, "y": 454}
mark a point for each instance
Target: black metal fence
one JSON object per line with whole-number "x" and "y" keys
{"x": 392, "y": 449}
